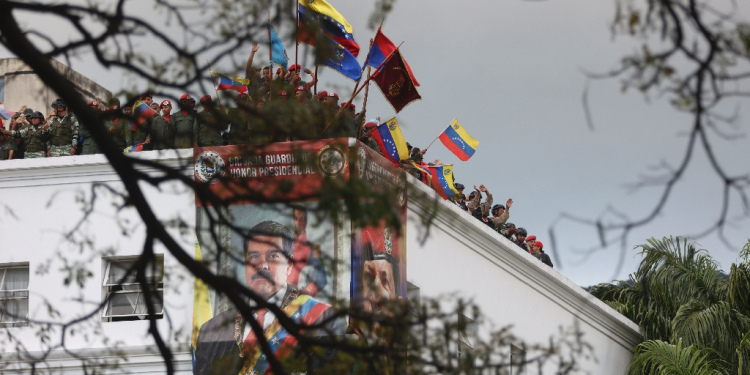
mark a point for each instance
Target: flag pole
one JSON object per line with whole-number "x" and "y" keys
{"x": 296, "y": 42}
{"x": 315, "y": 86}
{"x": 372, "y": 40}
{"x": 270, "y": 59}
{"x": 214, "y": 83}
{"x": 436, "y": 138}
{"x": 364, "y": 104}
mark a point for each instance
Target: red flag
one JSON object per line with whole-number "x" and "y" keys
{"x": 395, "y": 82}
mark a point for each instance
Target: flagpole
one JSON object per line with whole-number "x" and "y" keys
{"x": 436, "y": 138}
{"x": 214, "y": 83}
{"x": 366, "y": 60}
{"x": 270, "y": 60}
{"x": 296, "y": 42}
{"x": 364, "y": 104}
{"x": 315, "y": 86}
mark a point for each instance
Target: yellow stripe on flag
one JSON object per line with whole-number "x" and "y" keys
{"x": 201, "y": 303}
{"x": 448, "y": 175}
{"x": 473, "y": 143}
{"x": 395, "y": 129}
{"x": 322, "y": 7}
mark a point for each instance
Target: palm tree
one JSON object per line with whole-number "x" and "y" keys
{"x": 693, "y": 318}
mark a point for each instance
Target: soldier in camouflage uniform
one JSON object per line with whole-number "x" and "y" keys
{"x": 209, "y": 129}
{"x": 509, "y": 231}
{"x": 8, "y": 145}
{"x": 35, "y": 136}
{"x": 185, "y": 123}
{"x": 89, "y": 146}
{"x": 63, "y": 130}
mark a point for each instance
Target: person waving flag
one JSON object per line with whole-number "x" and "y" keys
{"x": 456, "y": 139}
{"x": 231, "y": 83}
{"x": 141, "y": 113}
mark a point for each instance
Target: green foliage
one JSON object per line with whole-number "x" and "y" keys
{"x": 677, "y": 296}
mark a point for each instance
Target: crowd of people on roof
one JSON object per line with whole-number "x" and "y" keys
{"x": 284, "y": 108}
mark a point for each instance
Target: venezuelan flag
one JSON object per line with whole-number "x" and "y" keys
{"x": 314, "y": 14}
{"x": 442, "y": 180}
{"x": 424, "y": 174}
{"x": 382, "y": 47}
{"x": 391, "y": 141}
{"x": 134, "y": 148}
{"x": 459, "y": 141}
{"x": 141, "y": 112}
{"x": 227, "y": 83}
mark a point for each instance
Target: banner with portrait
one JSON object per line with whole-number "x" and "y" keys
{"x": 276, "y": 242}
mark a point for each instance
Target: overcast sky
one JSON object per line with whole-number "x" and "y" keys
{"x": 511, "y": 72}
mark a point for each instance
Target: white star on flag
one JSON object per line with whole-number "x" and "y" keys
{"x": 275, "y": 341}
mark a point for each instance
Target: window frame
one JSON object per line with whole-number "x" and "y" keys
{"x": 4, "y": 268}
{"x": 106, "y": 316}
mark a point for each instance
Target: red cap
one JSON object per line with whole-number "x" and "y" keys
{"x": 372, "y": 124}
{"x": 185, "y": 96}
{"x": 278, "y": 71}
{"x": 322, "y": 95}
{"x": 302, "y": 88}
{"x": 165, "y": 103}
{"x": 540, "y": 244}
{"x": 332, "y": 95}
{"x": 206, "y": 99}
{"x": 383, "y": 241}
{"x": 530, "y": 238}
{"x": 147, "y": 95}
{"x": 283, "y": 93}
{"x": 350, "y": 105}
{"x": 294, "y": 66}
{"x": 92, "y": 102}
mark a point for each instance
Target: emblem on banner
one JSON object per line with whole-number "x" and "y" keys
{"x": 209, "y": 166}
{"x": 331, "y": 161}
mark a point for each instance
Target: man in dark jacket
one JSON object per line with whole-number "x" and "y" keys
{"x": 185, "y": 124}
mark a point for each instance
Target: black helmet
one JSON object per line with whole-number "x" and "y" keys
{"x": 37, "y": 114}
{"x": 509, "y": 225}
{"x": 495, "y": 207}
{"x": 522, "y": 231}
{"x": 58, "y": 103}
{"x": 28, "y": 112}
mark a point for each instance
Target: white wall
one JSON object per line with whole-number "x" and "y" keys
{"x": 460, "y": 255}
{"x": 510, "y": 286}
{"x": 45, "y": 198}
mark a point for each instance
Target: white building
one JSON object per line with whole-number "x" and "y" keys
{"x": 40, "y": 204}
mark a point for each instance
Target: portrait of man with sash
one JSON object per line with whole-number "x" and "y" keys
{"x": 227, "y": 344}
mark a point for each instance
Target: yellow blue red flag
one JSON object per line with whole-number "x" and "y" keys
{"x": 442, "y": 180}
{"x": 459, "y": 141}
{"x": 317, "y": 15}
{"x": 391, "y": 141}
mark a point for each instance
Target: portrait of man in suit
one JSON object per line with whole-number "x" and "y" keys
{"x": 228, "y": 345}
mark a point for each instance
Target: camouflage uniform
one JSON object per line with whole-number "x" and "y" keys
{"x": 63, "y": 135}
{"x": 209, "y": 130}
{"x": 185, "y": 129}
{"x": 89, "y": 146}
{"x": 239, "y": 131}
{"x": 35, "y": 139}
{"x": 6, "y": 147}
{"x": 483, "y": 207}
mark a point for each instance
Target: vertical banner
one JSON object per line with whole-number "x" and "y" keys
{"x": 378, "y": 260}
{"x": 278, "y": 245}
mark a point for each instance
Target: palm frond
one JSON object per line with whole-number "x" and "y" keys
{"x": 661, "y": 358}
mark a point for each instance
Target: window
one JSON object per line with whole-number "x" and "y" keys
{"x": 14, "y": 295}
{"x": 517, "y": 360}
{"x": 125, "y": 298}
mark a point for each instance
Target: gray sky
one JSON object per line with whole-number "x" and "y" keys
{"x": 511, "y": 72}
